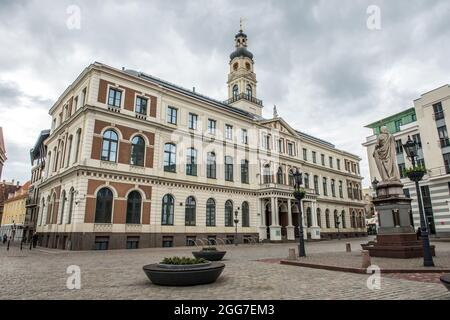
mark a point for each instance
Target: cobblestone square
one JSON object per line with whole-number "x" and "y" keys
{"x": 117, "y": 274}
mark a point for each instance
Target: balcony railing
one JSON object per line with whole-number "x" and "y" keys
{"x": 445, "y": 142}
{"x": 244, "y": 96}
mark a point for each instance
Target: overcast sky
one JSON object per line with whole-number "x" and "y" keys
{"x": 327, "y": 72}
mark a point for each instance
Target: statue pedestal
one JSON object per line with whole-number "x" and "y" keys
{"x": 396, "y": 236}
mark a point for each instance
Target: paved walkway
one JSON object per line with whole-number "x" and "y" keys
{"x": 41, "y": 274}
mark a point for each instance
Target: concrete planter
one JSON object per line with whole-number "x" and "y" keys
{"x": 445, "y": 279}
{"x": 209, "y": 255}
{"x": 183, "y": 275}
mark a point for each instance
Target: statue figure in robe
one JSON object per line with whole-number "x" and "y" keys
{"x": 385, "y": 157}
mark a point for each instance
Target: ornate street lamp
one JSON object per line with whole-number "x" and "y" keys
{"x": 299, "y": 194}
{"x": 236, "y": 221}
{"x": 416, "y": 174}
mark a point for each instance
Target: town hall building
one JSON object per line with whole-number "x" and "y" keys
{"x": 133, "y": 161}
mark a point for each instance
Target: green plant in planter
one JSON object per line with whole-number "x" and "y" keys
{"x": 209, "y": 249}
{"x": 183, "y": 261}
{"x": 300, "y": 193}
{"x": 415, "y": 171}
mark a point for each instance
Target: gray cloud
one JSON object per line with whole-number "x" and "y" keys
{"x": 316, "y": 60}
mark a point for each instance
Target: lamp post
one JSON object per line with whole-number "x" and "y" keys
{"x": 375, "y": 186}
{"x": 236, "y": 221}
{"x": 338, "y": 223}
{"x": 299, "y": 194}
{"x": 410, "y": 148}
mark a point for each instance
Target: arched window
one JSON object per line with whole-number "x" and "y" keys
{"x": 361, "y": 220}
{"x": 52, "y": 209}
{"x": 228, "y": 168}
{"x": 190, "y": 212}
{"x": 336, "y": 219}
{"x": 245, "y": 215}
{"x": 244, "y": 171}
{"x": 134, "y": 202}
{"x": 137, "y": 151}
{"x": 210, "y": 213}
{"x": 333, "y": 187}
{"x": 280, "y": 179}
{"x": 211, "y": 165}
{"x": 235, "y": 91}
{"x": 327, "y": 218}
{"x": 109, "y": 146}
{"x": 353, "y": 219}
{"x": 42, "y": 211}
{"x": 55, "y": 158}
{"x": 77, "y": 150}
{"x": 170, "y": 163}
{"x": 325, "y": 188}
{"x": 49, "y": 209}
{"x": 62, "y": 203}
{"x": 267, "y": 174}
{"x": 316, "y": 185}
{"x": 319, "y": 218}
{"x": 71, "y": 203}
{"x": 306, "y": 175}
{"x": 249, "y": 91}
{"x": 191, "y": 162}
{"x": 48, "y": 170}
{"x": 69, "y": 151}
{"x": 344, "y": 223}
{"x": 167, "y": 210}
{"x": 291, "y": 177}
{"x": 308, "y": 217}
{"x": 103, "y": 208}
{"x": 61, "y": 155}
{"x": 235, "y": 66}
{"x": 228, "y": 213}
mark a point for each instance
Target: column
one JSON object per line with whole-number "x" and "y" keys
{"x": 305, "y": 229}
{"x": 262, "y": 227}
{"x": 290, "y": 228}
{"x": 275, "y": 228}
{"x": 315, "y": 229}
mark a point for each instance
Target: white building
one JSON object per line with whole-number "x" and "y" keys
{"x": 135, "y": 161}
{"x": 426, "y": 123}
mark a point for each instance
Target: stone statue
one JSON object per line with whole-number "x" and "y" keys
{"x": 385, "y": 157}
{"x": 275, "y": 112}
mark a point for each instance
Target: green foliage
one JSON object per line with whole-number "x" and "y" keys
{"x": 418, "y": 169}
{"x": 183, "y": 261}
{"x": 301, "y": 193}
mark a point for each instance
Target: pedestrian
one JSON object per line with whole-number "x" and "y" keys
{"x": 5, "y": 238}
{"x": 34, "y": 239}
{"x": 419, "y": 233}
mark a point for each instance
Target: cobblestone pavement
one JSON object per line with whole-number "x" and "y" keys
{"x": 41, "y": 274}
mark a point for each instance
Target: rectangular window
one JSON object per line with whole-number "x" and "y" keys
{"x": 330, "y": 159}
{"x": 115, "y": 97}
{"x": 228, "y": 132}
{"x": 290, "y": 149}
{"x": 305, "y": 154}
{"x": 443, "y": 136}
{"x": 401, "y": 169}
{"x": 172, "y": 115}
{"x": 101, "y": 243}
{"x": 438, "y": 111}
{"x": 244, "y": 136}
{"x": 83, "y": 97}
{"x": 314, "y": 157}
{"x": 229, "y": 239}
{"x": 281, "y": 145}
{"x": 417, "y": 140}
{"x": 190, "y": 241}
{"x": 325, "y": 187}
{"x": 398, "y": 124}
{"x": 141, "y": 105}
{"x": 266, "y": 141}
{"x": 341, "y": 191}
{"x": 228, "y": 168}
{"x": 192, "y": 122}
{"x": 338, "y": 164}
{"x": 447, "y": 162}
{"x": 212, "y": 126}
{"x": 75, "y": 104}
{"x": 421, "y": 163}
{"x": 167, "y": 242}
{"x": 132, "y": 242}
{"x": 191, "y": 162}
{"x": 322, "y": 159}
{"x": 398, "y": 147}
{"x": 244, "y": 171}
{"x": 316, "y": 184}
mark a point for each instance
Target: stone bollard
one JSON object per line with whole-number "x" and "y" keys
{"x": 291, "y": 255}
{"x": 348, "y": 247}
{"x": 365, "y": 259}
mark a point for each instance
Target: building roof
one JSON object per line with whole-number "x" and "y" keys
{"x": 241, "y": 52}
{"x": 35, "y": 152}
{"x": 390, "y": 118}
{"x": 20, "y": 193}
